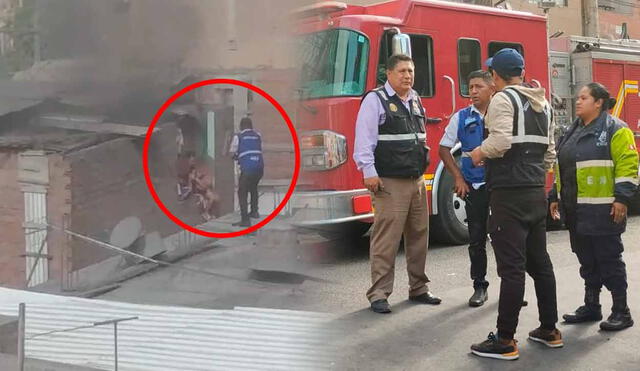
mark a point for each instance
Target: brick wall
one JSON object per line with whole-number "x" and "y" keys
{"x": 13, "y": 270}
{"x": 58, "y": 209}
{"x": 279, "y": 84}
{"x": 107, "y": 185}
{"x": 610, "y": 21}
{"x": 12, "y": 266}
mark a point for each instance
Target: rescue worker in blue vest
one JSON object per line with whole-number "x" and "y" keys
{"x": 247, "y": 149}
{"x": 518, "y": 151}
{"x": 467, "y": 128}
{"x": 596, "y": 179}
{"x": 391, "y": 151}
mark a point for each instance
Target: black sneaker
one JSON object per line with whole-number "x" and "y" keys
{"x": 380, "y": 306}
{"x": 550, "y": 338}
{"x": 254, "y": 215}
{"x": 496, "y": 348}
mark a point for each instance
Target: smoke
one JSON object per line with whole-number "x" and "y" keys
{"x": 121, "y": 36}
{"x": 121, "y": 57}
{"x": 117, "y": 57}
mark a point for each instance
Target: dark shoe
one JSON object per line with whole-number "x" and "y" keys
{"x": 617, "y": 321}
{"x": 254, "y": 215}
{"x": 584, "y": 314}
{"x": 242, "y": 223}
{"x": 525, "y": 303}
{"x": 550, "y": 338}
{"x": 426, "y": 298}
{"x": 620, "y": 317}
{"x": 590, "y": 311}
{"x": 496, "y": 348}
{"x": 381, "y": 306}
{"x": 479, "y": 297}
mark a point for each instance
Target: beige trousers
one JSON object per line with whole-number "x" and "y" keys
{"x": 400, "y": 209}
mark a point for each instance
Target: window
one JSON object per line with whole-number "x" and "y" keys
{"x": 495, "y": 47}
{"x": 422, "y": 54}
{"x": 469, "y": 60}
{"x": 334, "y": 63}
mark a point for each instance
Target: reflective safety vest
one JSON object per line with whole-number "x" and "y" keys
{"x": 250, "y": 151}
{"x": 606, "y": 172}
{"x": 470, "y": 135}
{"x": 523, "y": 164}
{"x": 401, "y": 151}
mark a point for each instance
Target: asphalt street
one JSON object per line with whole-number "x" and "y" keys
{"x": 413, "y": 337}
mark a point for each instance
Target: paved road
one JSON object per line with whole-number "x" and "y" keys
{"x": 413, "y": 337}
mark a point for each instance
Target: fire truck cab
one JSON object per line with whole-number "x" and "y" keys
{"x": 343, "y": 51}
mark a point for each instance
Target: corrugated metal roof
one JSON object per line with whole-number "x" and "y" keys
{"x": 172, "y": 338}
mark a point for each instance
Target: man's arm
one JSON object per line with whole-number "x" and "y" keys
{"x": 233, "y": 149}
{"x": 449, "y": 139}
{"x": 499, "y": 123}
{"x": 366, "y": 140}
{"x": 550, "y": 155}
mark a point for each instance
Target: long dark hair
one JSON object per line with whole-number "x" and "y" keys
{"x": 598, "y": 91}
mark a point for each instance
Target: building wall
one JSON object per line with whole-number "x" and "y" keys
{"x": 12, "y": 243}
{"x": 13, "y": 271}
{"x": 58, "y": 211}
{"x": 279, "y": 164}
{"x": 259, "y": 36}
{"x": 107, "y": 185}
{"x": 611, "y": 22}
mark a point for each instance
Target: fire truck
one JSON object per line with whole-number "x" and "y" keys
{"x": 343, "y": 51}
{"x": 575, "y": 61}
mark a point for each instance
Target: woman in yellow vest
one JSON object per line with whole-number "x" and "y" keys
{"x": 596, "y": 179}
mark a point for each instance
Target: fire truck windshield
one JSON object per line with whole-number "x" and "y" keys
{"x": 334, "y": 63}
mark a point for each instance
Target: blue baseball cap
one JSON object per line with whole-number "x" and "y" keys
{"x": 507, "y": 62}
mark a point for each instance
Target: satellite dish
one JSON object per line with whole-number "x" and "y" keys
{"x": 126, "y": 232}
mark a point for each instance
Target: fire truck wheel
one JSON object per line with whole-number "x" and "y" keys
{"x": 450, "y": 225}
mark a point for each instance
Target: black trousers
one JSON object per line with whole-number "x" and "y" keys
{"x": 600, "y": 260}
{"x": 517, "y": 227}
{"x": 600, "y": 257}
{"x": 477, "y": 208}
{"x": 248, "y": 184}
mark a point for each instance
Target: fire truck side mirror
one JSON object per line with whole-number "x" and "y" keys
{"x": 401, "y": 44}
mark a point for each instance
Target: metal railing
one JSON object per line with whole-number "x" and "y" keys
{"x": 22, "y": 334}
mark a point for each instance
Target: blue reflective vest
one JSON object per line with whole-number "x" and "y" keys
{"x": 250, "y": 151}
{"x": 470, "y": 135}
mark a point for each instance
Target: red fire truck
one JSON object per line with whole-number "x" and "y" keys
{"x": 344, "y": 49}
{"x": 575, "y": 61}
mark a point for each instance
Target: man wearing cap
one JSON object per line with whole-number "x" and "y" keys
{"x": 247, "y": 149}
{"x": 390, "y": 150}
{"x": 518, "y": 151}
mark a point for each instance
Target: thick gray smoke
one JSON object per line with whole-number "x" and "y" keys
{"x": 117, "y": 56}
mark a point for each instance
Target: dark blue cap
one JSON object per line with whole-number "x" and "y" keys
{"x": 507, "y": 62}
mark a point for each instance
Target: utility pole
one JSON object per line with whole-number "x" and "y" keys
{"x": 590, "y": 23}
{"x": 21, "y": 335}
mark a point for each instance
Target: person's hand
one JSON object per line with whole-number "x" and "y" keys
{"x": 373, "y": 184}
{"x": 461, "y": 187}
{"x": 477, "y": 156}
{"x": 554, "y": 210}
{"x": 619, "y": 212}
